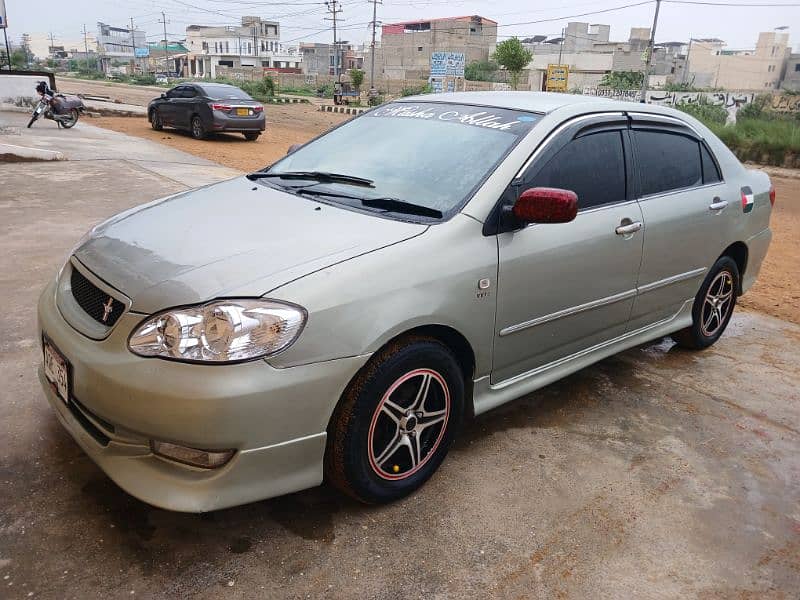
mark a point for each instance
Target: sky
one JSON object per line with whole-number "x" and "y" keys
{"x": 303, "y": 20}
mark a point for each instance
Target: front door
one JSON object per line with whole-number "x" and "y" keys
{"x": 564, "y": 288}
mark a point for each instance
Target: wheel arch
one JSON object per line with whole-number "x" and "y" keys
{"x": 739, "y": 253}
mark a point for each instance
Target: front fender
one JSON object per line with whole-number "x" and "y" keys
{"x": 357, "y": 306}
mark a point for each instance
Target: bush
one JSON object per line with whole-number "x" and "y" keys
{"x": 707, "y": 113}
{"x": 416, "y": 90}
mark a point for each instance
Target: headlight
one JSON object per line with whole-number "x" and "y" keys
{"x": 220, "y": 331}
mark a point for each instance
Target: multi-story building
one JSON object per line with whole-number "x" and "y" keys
{"x": 254, "y": 43}
{"x": 118, "y": 44}
{"x": 791, "y": 78}
{"x": 406, "y": 48}
{"x": 759, "y": 69}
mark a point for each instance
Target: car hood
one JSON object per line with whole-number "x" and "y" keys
{"x": 235, "y": 238}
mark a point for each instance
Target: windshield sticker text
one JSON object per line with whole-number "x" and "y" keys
{"x": 480, "y": 118}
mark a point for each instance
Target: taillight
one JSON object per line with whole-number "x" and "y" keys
{"x": 258, "y": 108}
{"x": 772, "y": 195}
{"x": 222, "y": 107}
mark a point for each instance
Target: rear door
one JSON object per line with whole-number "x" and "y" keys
{"x": 563, "y": 288}
{"x": 688, "y": 210}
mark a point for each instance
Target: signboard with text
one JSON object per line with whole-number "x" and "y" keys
{"x": 141, "y": 52}
{"x": 557, "y": 77}
{"x": 447, "y": 64}
{"x": 3, "y": 17}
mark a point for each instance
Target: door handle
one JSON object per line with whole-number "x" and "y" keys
{"x": 717, "y": 204}
{"x": 628, "y": 228}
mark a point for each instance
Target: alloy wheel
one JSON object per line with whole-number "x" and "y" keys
{"x": 409, "y": 423}
{"x": 717, "y": 304}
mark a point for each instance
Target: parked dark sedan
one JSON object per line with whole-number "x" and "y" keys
{"x": 203, "y": 108}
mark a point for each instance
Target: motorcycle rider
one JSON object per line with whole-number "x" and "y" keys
{"x": 48, "y": 95}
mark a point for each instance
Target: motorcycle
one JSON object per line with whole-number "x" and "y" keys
{"x": 64, "y": 110}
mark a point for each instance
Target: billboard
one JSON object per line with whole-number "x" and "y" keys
{"x": 447, "y": 64}
{"x": 557, "y": 77}
{"x": 3, "y": 17}
{"x": 141, "y": 52}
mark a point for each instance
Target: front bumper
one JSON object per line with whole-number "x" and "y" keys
{"x": 275, "y": 419}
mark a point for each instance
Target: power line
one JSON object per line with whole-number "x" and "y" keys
{"x": 742, "y": 4}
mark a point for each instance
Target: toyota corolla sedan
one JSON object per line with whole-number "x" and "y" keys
{"x": 338, "y": 314}
{"x": 206, "y": 108}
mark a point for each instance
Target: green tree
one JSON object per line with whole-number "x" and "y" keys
{"x": 512, "y": 55}
{"x": 622, "y": 80}
{"x": 18, "y": 59}
{"x": 481, "y": 70}
{"x": 357, "y": 78}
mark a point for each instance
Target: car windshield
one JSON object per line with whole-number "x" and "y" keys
{"x": 430, "y": 154}
{"x": 225, "y": 92}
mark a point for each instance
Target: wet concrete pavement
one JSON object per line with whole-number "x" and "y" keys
{"x": 657, "y": 473}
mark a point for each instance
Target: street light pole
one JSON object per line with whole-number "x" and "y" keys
{"x": 372, "y": 50}
{"x": 649, "y": 57}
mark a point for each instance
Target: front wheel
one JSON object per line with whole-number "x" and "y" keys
{"x": 713, "y": 306}
{"x": 198, "y": 129}
{"x": 34, "y": 117}
{"x": 155, "y": 120}
{"x": 395, "y": 423}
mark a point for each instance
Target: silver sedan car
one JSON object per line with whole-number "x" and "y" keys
{"x": 338, "y": 314}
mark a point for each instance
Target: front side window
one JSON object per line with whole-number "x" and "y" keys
{"x": 592, "y": 166}
{"x": 427, "y": 153}
{"x": 666, "y": 161}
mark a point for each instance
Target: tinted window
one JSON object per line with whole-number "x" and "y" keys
{"x": 224, "y": 92}
{"x": 188, "y": 92}
{"x": 667, "y": 161}
{"x": 174, "y": 93}
{"x": 710, "y": 170}
{"x": 592, "y": 166}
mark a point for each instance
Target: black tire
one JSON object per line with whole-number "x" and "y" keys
{"x": 33, "y": 120}
{"x": 361, "y": 428}
{"x": 155, "y": 120}
{"x": 197, "y": 128}
{"x": 251, "y": 136}
{"x": 711, "y": 313}
{"x": 69, "y": 124}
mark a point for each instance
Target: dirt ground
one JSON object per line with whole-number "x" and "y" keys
{"x": 286, "y": 125}
{"x": 777, "y": 291}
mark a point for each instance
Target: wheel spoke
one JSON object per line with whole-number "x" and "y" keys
{"x": 422, "y": 393}
{"x": 432, "y": 418}
{"x": 391, "y": 448}
{"x": 392, "y": 410}
{"x": 412, "y": 442}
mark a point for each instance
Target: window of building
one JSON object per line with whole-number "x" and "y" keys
{"x": 658, "y": 170}
{"x": 578, "y": 166}
{"x": 419, "y": 48}
{"x": 205, "y": 45}
{"x": 227, "y": 48}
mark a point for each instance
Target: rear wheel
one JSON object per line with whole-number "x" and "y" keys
{"x": 713, "y": 306}
{"x": 251, "y": 136}
{"x": 198, "y": 129}
{"x": 73, "y": 118}
{"x": 396, "y": 421}
{"x": 155, "y": 120}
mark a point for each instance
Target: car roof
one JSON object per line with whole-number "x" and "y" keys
{"x": 540, "y": 102}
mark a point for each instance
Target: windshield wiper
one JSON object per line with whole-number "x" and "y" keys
{"x": 386, "y": 203}
{"x": 322, "y": 176}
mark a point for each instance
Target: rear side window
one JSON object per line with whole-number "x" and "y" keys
{"x": 667, "y": 161}
{"x": 592, "y": 166}
{"x": 710, "y": 170}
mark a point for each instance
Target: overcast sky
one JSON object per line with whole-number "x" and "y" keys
{"x": 302, "y": 20}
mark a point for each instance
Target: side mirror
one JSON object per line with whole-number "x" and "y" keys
{"x": 163, "y": 95}
{"x": 293, "y": 148}
{"x": 546, "y": 205}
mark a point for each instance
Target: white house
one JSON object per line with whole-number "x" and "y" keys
{"x": 254, "y": 43}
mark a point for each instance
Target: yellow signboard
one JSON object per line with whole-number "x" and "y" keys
{"x": 557, "y": 76}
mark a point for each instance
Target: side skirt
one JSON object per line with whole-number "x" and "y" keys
{"x": 487, "y": 396}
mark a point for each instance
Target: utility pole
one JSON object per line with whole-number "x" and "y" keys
{"x": 163, "y": 21}
{"x": 372, "y": 90}
{"x": 561, "y": 45}
{"x": 334, "y": 8}
{"x": 686, "y": 62}
{"x": 52, "y": 46}
{"x": 133, "y": 49}
{"x": 86, "y": 48}
{"x": 649, "y": 57}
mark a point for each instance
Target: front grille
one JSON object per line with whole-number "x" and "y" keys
{"x": 99, "y": 305}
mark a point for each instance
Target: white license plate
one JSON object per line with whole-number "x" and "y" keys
{"x": 56, "y": 370}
